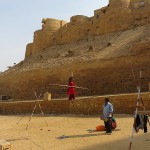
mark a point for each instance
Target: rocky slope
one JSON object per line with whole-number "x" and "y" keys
{"x": 104, "y": 64}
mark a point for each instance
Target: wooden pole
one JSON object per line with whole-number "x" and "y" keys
{"x": 78, "y": 87}
{"x": 137, "y": 105}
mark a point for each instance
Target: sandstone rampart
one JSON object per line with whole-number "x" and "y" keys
{"x": 119, "y": 15}
{"x": 44, "y": 38}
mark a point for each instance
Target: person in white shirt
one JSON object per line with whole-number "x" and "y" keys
{"x": 107, "y": 115}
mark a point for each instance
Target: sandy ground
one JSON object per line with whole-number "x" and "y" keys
{"x": 38, "y": 136}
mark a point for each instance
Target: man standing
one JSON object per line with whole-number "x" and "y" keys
{"x": 107, "y": 114}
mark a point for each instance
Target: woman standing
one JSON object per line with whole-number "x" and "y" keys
{"x": 71, "y": 89}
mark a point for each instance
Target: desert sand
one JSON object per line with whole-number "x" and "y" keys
{"x": 74, "y": 129}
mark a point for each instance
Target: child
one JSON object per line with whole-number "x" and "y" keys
{"x": 71, "y": 89}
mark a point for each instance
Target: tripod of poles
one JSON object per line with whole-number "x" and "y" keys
{"x": 36, "y": 105}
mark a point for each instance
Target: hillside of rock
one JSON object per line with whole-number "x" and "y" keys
{"x": 104, "y": 64}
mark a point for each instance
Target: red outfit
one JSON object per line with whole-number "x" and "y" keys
{"x": 71, "y": 90}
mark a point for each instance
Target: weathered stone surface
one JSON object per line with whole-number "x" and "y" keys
{"x": 141, "y": 46}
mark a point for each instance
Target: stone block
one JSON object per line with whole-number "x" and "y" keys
{"x": 4, "y": 145}
{"x": 47, "y": 96}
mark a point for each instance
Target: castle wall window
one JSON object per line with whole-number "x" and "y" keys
{"x": 136, "y": 5}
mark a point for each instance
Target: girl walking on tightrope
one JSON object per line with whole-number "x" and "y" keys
{"x": 71, "y": 89}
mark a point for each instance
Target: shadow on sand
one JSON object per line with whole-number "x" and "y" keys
{"x": 140, "y": 142}
{"x": 79, "y": 136}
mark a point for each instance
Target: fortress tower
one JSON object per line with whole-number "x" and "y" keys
{"x": 52, "y": 25}
{"x": 43, "y": 38}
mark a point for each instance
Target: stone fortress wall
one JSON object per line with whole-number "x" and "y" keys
{"x": 87, "y": 106}
{"x": 118, "y": 15}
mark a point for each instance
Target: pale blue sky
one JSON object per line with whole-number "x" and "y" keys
{"x": 20, "y": 18}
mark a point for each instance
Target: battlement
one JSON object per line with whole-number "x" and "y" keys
{"x": 78, "y": 19}
{"x": 52, "y": 24}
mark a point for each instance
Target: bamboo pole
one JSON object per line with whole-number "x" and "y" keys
{"x": 78, "y": 87}
{"x": 137, "y": 105}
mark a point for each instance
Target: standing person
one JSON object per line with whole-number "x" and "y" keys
{"x": 107, "y": 114}
{"x": 71, "y": 89}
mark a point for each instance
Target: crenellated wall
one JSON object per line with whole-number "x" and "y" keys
{"x": 119, "y": 15}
